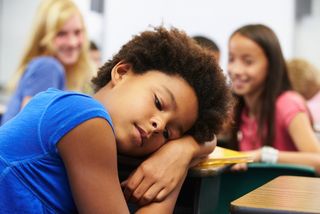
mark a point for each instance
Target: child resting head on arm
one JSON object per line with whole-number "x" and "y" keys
{"x": 59, "y": 154}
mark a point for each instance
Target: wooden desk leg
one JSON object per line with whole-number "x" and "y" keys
{"x": 206, "y": 198}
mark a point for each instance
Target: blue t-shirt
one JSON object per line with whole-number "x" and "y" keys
{"x": 41, "y": 73}
{"x": 33, "y": 178}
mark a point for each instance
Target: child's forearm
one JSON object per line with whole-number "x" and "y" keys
{"x": 165, "y": 168}
{"x": 193, "y": 152}
{"x": 162, "y": 171}
{"x": 167, "y": 205}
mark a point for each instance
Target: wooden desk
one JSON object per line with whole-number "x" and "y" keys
{"x": 199, "y": 193}
{"x": 284, "y": 194}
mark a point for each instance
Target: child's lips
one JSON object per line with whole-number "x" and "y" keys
{"x": 140, "y": 135}
{"x": 238, "y": 83}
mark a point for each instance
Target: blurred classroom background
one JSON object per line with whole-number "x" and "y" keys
{"x": 111, "y": 23}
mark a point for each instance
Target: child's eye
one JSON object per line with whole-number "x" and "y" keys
{"x": 157, "y": 103}
{"x": 248, "y": 61}
{"x": 61, "y": 33}
{"x": 77, "y": 32}
{"x": 166, "y": 134}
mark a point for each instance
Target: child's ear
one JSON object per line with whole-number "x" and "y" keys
{"x": 119, "y": 71}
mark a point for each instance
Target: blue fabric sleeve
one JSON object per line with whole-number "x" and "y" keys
{"x": 64, "y": 114}
{"x": 43, "y": 73}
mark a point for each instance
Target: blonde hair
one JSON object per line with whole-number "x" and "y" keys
{"x": 304, "y": 77}
{"x": 50, "y": 18}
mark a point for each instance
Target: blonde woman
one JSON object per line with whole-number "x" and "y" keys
{"x": 56, "y": 55}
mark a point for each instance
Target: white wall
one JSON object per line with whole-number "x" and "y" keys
{"x": 216, "y": 19}
{"x": 307, "y": 34}
{"x": 93, "y": 21}
{"x": 123, "y": 18}
{"x": 15, "y": 24}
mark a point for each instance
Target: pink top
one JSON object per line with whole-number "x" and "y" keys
{"x": 314, "y": 107}
{"x": 288, "y": 105}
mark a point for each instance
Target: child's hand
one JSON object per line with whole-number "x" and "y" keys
{"x": 157, "y": 176}
{"x": 256, "y": 154}
{"x": 239, "y": 167}
{"x": 203, "y": 150}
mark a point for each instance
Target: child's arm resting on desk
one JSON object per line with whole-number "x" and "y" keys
{"x": 157, "y": 176}
{"x": 167, "y": 205}
{"x": 89, "y": 154}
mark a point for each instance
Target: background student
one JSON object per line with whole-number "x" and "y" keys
{"x": 55, "y": 56}
{"x": 271, "y": 121}
{"x": 95, "y": 54}
{"x": 64, "y": 159}
{"x": 305, "y": 79}
{"x": 210, "y": 44}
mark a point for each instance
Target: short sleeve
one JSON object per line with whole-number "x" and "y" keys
{"x": 64, "y": 114}
{"x": 289, "y": 105}
{"x": 43, "y": 73}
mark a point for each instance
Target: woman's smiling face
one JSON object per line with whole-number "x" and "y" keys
{"x": 69, "y": 41}
{"x": 247, "y": 66}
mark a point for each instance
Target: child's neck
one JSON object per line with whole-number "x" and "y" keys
{"x": 253, "y": 104}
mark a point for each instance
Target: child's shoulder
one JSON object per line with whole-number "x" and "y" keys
{"x": 288, "y": 97}
{"x": 68, "y": 99}
{"x": 289, "y": 103}
{"x": 46, "y": 62}
{"x": 61, "y": 111}
{"x": 55, "y": 93}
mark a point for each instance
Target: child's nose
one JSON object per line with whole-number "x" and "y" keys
{"x": 73, "y": 40}
{"x": 235, "y": 68}
{"x": 157, "y": 125}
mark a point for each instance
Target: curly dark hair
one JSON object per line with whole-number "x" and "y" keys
{"x": 174, "y": 53}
